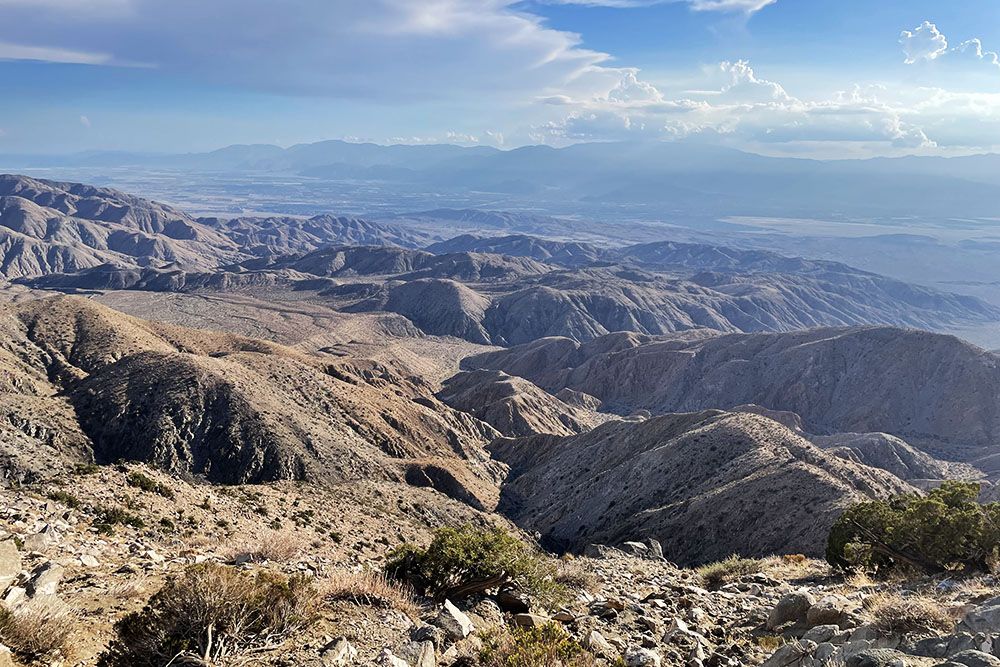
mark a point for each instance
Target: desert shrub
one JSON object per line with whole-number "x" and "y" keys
{"x": 108, "y": 517}
{"x": 547, "y": 646}
{"x": 460, "y": 562}
{"x": 64, "y": 497}
{"x": 145, "y": 483}
{"x": 213, "y": 612}
{"x": 895, "y": 613}
{"x": 720, "y": 573}
{"x": 38, "y": 627}
{"x": 371, "y": 589}
{"x": 945, "y": 530}
{"x": 86, "y": 469}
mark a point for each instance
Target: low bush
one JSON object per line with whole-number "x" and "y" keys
{"x": 145, "y": 483}
{"x": 215, "y": 613}
{"x": 547, "y": 646}
{"x": 64, "y": 497}
{"x": 108, "y": 517}
{"x": 38, "y": 627}
{"x": 947, "y": 529}
{"x": 465, "y": 561}
{"x": 718, "y": 574}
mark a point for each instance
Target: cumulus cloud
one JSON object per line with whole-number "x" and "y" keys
{"x": 741, "y": 108}
{"x": 925, "y": 42}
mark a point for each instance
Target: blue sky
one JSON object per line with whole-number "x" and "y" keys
{"x": 824, "y": 78}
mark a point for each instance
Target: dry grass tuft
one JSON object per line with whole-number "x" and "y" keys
{"x": 895, "y": 613}
{"x": 38, "y": 627}
{"x": 370, "y": 589}
{"x": 574, "y": 575}
{"x": 791, "y": 567}
{"x": 129, "y": 588}
{"x": 277, "y": 546}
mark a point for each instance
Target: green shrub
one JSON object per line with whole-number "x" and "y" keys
{"x": 212, "y": 611}
{"x": 86, "y": 469}
{"x": 465, "y": 561}
{"x": 718, "y": 574}
{"x": 945, "y": 530}
{"x": 145, "y": 483}
{"x": 547, "y": 646}
{"x": 109, "y": 517}
{"x": 64, "y": 497}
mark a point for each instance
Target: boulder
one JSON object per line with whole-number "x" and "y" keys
{"x": 984, "y": 618}
{"x": 878, "y": 657}
{"x": 975, "y": 659}
{"x": 387, "y": 659}
{"x": 792, "y": 608}
{"x": 830, "y": 610}
{"x": 45, "y": 579}
{"x": 454, "y": 622}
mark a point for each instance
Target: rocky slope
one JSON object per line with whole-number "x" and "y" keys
{"x": 707, "y": 484}
{"x": 82, "y": 382}
{"x": 936, "y": 392}
{"x": 514, "y": 406}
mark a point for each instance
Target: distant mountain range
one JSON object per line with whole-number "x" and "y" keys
{"x": 680, "y": 177}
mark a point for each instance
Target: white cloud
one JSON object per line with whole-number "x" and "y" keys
{"x": 746, "y": 6}
{"x": 925, "y": 42}
{"x": 741, "y": 108}
{"x": 376, "y": 49}
{"x": 85, "y": 121}
{"x": 10, "y": 51}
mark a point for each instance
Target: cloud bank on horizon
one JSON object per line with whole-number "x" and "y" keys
{"x": 501, "y": 72}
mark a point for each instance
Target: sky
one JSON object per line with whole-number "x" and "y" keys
{"x": 812, "y": 78}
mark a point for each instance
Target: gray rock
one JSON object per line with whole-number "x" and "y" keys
{"x": 830, "y": 610}
{"x": 388, "y": 659}
{"x": 45, "y": 580}
{"x": 598, "y": 645}
{"x": 821, "y": 633}
{"x": 791, "y": 655}
{"x": 985, "y": 618}
{"x": 339, "y": 652}
{"x": 530, "y": 620}
{"x": 10, "y": 563}
{"x": 792, "y": 608}
{"x": 975, "y": 659}
{"x": 642, "y": 657}
{"x": 877, "y": 657}
{"x": 454, "y": 622}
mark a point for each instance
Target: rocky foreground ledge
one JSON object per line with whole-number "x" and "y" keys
{"x": 83, "y": 562}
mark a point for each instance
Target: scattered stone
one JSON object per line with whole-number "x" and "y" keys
{"x": 642, "y": 657}
{"x": 390, "y": 660}
{"x": 339, "y": 652}
{"x": 877, "y": 657}
{"x": 530, "y": 620}
{"x": 830, "y": 610}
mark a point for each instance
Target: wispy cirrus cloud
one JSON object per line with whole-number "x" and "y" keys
{"x": 745, "y": 6}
